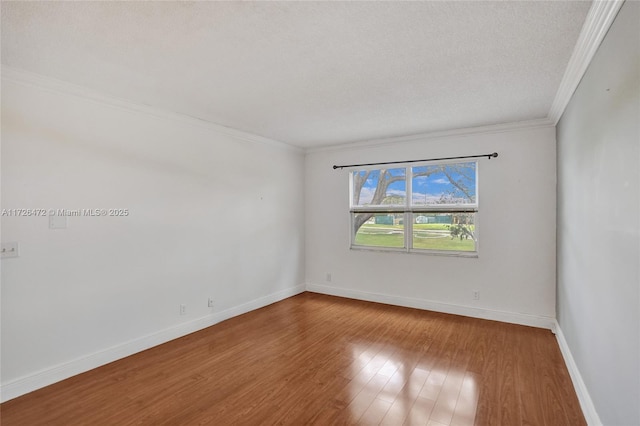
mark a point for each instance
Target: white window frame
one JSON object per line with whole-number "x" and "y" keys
{"x": 408, "y": 210}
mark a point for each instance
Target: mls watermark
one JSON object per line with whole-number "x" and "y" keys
{"x": 65, "y": 212}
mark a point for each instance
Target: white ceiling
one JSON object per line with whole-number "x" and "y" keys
{"x": 308, "y": 73}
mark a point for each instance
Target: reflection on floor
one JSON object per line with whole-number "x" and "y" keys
{"x": 315, "y": 359}
{"x": 396, "y": 391}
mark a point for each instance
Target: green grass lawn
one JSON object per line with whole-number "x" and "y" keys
{"x": 416, "y": 226}
{"x": 379, "y": 240}
{"x": 434, "y": 226}
{"x": 393, "y": 236}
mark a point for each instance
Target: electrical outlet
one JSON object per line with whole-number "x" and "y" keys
{"x": 476, "y": 294}
{"x": 210, "y": 302}
{"x": 328, "y": 276}
{"x": 10, "y": 250}
{"x": 183, "y": 309}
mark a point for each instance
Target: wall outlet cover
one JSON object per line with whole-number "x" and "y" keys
{"x": 10, "y": 249}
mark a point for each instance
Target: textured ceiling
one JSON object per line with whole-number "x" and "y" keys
{"x": 307, "y": 73}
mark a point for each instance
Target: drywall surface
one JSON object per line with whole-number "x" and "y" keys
{"x": 599, "y": 223}
{"x": 208, "y": 215}
{"x": 515, "y": 267}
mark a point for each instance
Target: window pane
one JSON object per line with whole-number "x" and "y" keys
{"x": 444, "y": 231}
{"x": 378, "y": 230}
{"x": 444, "y": 184}
{"x": 379, "y": 187}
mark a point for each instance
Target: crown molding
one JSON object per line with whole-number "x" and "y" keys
{"x": 421, "y": 137}
{"x": 595, "y": 28}
{"x": 50, "y": 84}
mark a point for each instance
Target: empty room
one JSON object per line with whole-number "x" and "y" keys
{"x": 320, "y": 212}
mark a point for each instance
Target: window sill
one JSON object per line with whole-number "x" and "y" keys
{"x": 467, "y": 254}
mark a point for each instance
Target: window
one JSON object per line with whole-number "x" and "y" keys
{"x": 424, "y": 208}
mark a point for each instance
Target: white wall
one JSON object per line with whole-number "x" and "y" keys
{"x": 599, "y": 223}
{"x": 515, "y": 270}
{"x": 210, "y": 215}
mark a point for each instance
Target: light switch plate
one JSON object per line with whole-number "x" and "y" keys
{"x": 10, "y": 249}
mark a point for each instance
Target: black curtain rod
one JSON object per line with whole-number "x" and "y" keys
{"x": 489, "y": 156}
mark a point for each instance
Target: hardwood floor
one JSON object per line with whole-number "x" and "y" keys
{"x": 315, "y": 359}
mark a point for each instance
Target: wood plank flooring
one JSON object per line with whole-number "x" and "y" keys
{"x": 316, "y": 359}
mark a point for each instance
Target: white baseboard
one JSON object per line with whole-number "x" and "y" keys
{"x": 588, "y": 409}
{"x": 82, "y": 364}
{"x": 409, "y": 302}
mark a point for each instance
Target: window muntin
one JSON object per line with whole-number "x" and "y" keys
{"x": 424, "y": 208}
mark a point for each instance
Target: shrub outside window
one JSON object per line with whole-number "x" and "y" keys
{"x": 429, "y": 208}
